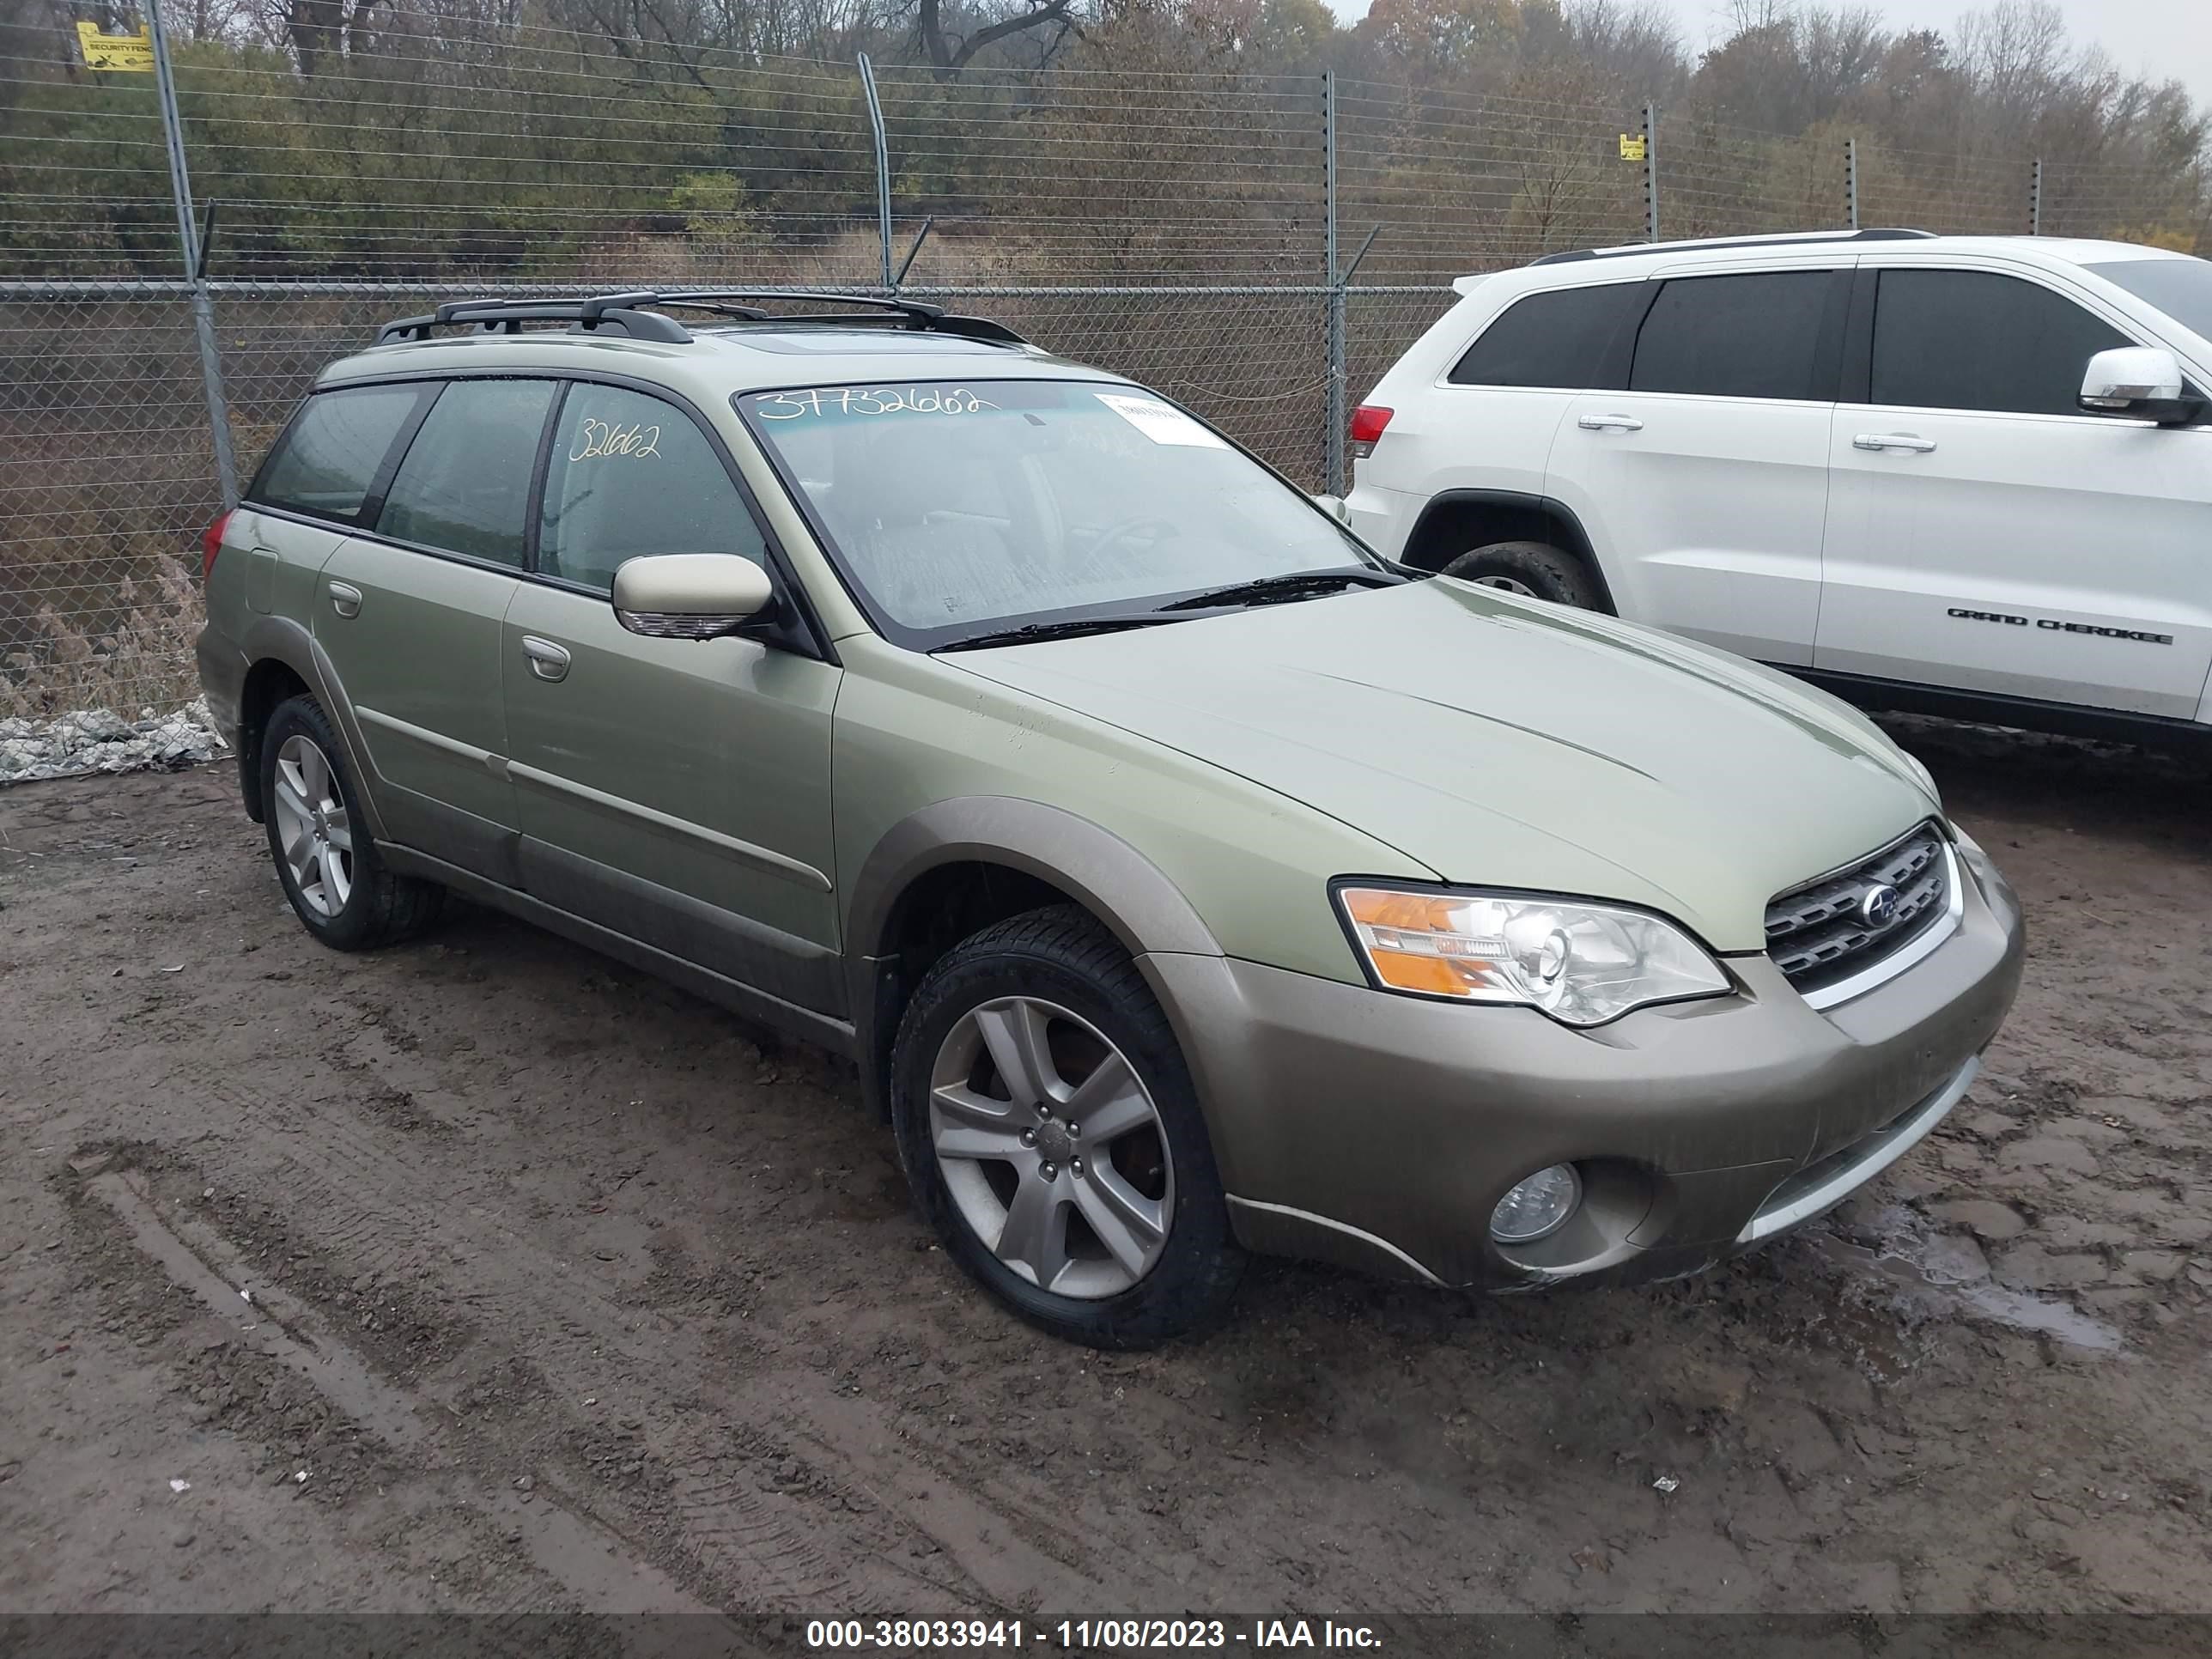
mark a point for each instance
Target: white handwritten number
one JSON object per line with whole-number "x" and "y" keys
{"x": 595, "y": 438}
{"x": 872, "y": 400}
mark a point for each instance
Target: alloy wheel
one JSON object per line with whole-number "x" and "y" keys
{"x": 1051, "y": 1147}
{"x": 312, "y": 826}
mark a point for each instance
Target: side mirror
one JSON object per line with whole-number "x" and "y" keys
{"x": 2142, "y": 381}
{"x": 691, "y": 596}
{"x": 1337, "y": 508}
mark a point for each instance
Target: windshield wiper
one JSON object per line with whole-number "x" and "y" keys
{"x": 1071, "y": 628}
{"x": 1294, "y": 586}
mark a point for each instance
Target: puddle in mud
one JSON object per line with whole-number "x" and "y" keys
{"x": 1930, "y": 1270}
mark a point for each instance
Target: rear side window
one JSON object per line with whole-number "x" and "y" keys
{"x": 1756, "y": 336}
{"x": 1569, "y": 339}
{"x": 1972, "y": 339}
{"x": 327, "y": 460}
{"x": 632, "y": 476}
{"x": 464, "y": 486}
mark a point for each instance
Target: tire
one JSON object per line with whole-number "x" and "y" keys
{"x": 1536, "y": 568}
{"x": 340, "y": 889}
{"x": 1053, "y": 986}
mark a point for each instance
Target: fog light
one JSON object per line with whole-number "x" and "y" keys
{"x": 1538, "y": 1207}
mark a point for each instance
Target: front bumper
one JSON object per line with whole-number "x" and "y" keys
{"x": 1380, "y": 1131}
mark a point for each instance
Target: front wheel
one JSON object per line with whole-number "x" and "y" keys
{"x": 1535, "y": 570}
{"x": 1052, "y": 1137}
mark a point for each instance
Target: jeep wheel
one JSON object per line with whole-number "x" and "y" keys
{"x": 1536, "y": 569}
{"x": 338, "y": 886}
{"x": 1052, "y": 1138}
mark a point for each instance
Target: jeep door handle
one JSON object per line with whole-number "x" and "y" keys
{"x": 1609, "y": 423}
{"x": 1892, "y": 440}
{"x": 345, "y": 599}
{"x": 547, "y": 661}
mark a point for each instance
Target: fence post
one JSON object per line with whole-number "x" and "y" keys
{"x": 181, "y": 186}
{"x": 1332, "y": 478}
{"x": 1651, "y": 172}
{"x": 2035, "y": 199}
{"x": 1851, "y": 181}
{"x": 882, "y": 165}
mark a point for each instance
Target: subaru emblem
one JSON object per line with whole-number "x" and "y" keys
{"x": 1878, "y": 908}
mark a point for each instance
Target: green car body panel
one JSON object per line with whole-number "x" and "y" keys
{"x": 756, "y": 821}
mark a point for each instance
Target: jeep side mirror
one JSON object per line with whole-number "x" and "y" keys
{"x": 691, "y": 596}
{"x": 2142, "y": 381}
{"x": 1337, "y": 508}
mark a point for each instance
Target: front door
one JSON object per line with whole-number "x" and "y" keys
{"x": 1987, "y": 534}
{"x": 676, "y": 791}
{"x": 409, "y": 612}
{"x": 1704, "y": 483}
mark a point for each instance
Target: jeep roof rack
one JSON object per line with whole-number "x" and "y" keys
{"x": 638, "y": 315}
{"x": 1803, "y": 238}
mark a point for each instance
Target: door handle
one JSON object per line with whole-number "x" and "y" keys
{"x": 1609, "y": 422}
{"x": 345, "y": 599}
{"x": 547, "y": 661}
{"x": 1892, "y": 440}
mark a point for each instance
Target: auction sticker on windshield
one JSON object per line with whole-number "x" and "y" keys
{"x": 1162, "y": 422}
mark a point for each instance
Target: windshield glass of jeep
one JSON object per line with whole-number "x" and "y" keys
{"x": 959, "y": 508}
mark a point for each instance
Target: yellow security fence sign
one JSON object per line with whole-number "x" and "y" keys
{"x": 115, "y": 52}
{"x": 1631, "y": 146}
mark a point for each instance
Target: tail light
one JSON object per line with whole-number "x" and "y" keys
{"x": 211, "y": 544}
{"x": 1367, "y": 423}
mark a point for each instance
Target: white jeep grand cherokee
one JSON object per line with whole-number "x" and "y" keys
{"x": 1969, "y": 476}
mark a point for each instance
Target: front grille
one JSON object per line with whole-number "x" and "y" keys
{"x": 1828, "y": 930}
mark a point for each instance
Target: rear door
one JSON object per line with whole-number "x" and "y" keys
{"x": 410, "y": 612}
{"x": 675, "y": 791}
{"x": 1701, "y": 478}
{"x": 1986, "y": 534}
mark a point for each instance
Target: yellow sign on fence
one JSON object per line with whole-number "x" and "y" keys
{"x": 115, "y": 52}
{"x": 1631, "y": 146}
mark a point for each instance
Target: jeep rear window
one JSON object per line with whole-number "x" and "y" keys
{"x": 1756, "y": 335}
{"x": 324, "y": 464}
{"x": 1572, "y": 339}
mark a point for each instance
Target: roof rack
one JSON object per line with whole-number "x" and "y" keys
{"x": 1800, "y": 239}
{"x": 637, "y": 316}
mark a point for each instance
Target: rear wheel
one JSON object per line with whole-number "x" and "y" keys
{"x": 1052, "y": 1138}
{"x": 338, "y": 886}
{"x": 1535, "y": 570}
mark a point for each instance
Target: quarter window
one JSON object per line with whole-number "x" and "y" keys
{"x": 464, "y": 486}
{"x": 1972, "y": 339}
{"x": 632, "y": 476}
{"x": 1566, "y": 339}
{"x": 328, "y": 459}
{"x": 1754, "y": 336}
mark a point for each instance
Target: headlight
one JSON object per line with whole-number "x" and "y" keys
{"x": 1581, "y": 963}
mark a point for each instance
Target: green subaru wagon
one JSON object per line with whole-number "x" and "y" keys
{"x": 1184, "y": 880}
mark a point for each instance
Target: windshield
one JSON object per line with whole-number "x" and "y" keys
{"x": 2182, "y": 289}
{"x": 962, "y": 508}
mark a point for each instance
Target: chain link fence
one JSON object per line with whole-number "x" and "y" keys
{"x": 1260, "y": 247}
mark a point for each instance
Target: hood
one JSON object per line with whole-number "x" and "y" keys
{"x": 1507, "y": 743}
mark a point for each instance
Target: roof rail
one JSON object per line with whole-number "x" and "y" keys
{"x": 637, "y": 315}
{"x": 1803, "y": 237}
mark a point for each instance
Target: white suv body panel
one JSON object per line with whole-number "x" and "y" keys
{"x": 1762, "y": 526}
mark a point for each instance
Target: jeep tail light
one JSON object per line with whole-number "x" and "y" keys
{"x": 211, "y": 544}
{"x": 1367, "y": 423}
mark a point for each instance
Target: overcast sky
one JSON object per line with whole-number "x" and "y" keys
{"x": 2157, "y": 38}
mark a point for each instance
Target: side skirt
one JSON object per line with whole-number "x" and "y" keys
{"x": 835, "y": 1034}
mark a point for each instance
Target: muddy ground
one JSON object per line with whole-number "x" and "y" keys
{"x": 481, "y": 1273}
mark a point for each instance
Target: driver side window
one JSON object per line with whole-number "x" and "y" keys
{"x": 629, "y": 476}
{"x": 1973, "y": 339}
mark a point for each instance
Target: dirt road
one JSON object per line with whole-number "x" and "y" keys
{"x": 483, "y": 1273}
